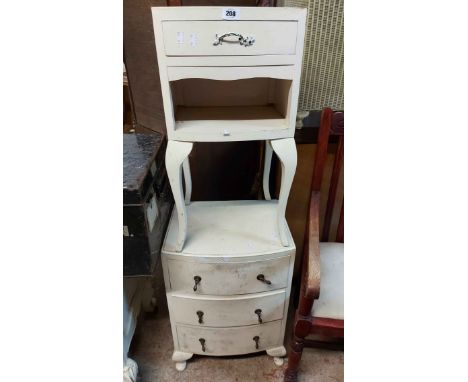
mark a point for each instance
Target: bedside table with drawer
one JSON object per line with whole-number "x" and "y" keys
{"x": 229, "y": 80}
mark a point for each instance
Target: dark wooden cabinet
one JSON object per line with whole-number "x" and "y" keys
{"x": 147, "y": 202}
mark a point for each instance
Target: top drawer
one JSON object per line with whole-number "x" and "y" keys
{"x": 197, "y": 38}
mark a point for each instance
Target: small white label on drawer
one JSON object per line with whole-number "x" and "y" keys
{"x": 231, "y": 14}
{"x": 125, "y": 230}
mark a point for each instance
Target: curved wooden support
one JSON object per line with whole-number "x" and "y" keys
{"x": 266, "y": 170}
{"x": 187, "y": 181}
{"x": 286, "y": 151}
{"x": 176, "y": 153}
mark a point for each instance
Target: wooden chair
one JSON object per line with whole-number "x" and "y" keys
{"x": 320, "y": 312}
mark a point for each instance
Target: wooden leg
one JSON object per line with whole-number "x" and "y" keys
{"x": 176, "y": 153}
{"x": 180, "y": 358}
{"x": 294, "y": 358}
{"x": 286, "y": 151}
{"x": 266, "y": 170}
{"x": 187, "y": 181}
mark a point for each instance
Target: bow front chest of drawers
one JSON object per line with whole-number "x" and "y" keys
{"x": 228, "y": 74}
{"x": 228, "y": 289}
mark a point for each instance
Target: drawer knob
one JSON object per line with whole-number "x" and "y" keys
{"x": 202, "y": 341}
{"x": 263, "y": 279}
{"x": 258, "y": 312}
{"x": 200, "y": 317}
{"x": 197, "y": 281}
{"x": 246, "y": 41}
{"x": 256, "y": 339}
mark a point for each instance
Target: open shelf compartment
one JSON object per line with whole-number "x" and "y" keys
{"x": 249, "y": 103}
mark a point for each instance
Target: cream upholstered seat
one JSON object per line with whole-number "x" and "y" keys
{"x": 330, "y": 304}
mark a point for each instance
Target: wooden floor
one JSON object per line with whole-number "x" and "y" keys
{"x": 152, "y": 350}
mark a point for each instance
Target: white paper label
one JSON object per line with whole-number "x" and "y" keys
{"x": 231, "y": 14}
{"x": 125, "y": 230}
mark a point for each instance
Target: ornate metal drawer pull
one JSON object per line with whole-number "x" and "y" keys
{"x": 263, "y": 280}
{"x": 200, "y": 317}
{"x": 258, "y": 312}
{"x": 246, "y": 41}
{"x": 256, "y": 339}
{"x": 202, "y": 341}
{"x": 197, "y": 281}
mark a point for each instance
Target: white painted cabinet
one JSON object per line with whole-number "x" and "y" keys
{"x": 229, "y": 75}
{"x": 230, "y": 283}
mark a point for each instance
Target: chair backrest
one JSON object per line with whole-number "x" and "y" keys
{"x": 331, "y": 124}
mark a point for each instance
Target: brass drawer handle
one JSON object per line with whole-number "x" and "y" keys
{"x": 263, "y": 280}
{"x": 258, "y": 312}
{"x": 197, "y": 281}
{"x": 256, "y": 339}
{"x": 202, "y": 341}
{"x": 246, "y": 41}
{"x": 200, "y": 317}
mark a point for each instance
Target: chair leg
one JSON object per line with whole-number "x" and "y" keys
{"x": 294, "y": 358}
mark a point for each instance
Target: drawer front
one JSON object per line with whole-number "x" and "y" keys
{"x": 229, "y": 341}
{"x": 228, "y": 311}
{"x": 197, "y": 38}
{"x": 228, "y": 278}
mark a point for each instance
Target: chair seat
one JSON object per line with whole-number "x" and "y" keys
{"x": 331, "y": 301}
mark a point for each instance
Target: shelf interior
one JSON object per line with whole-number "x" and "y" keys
{"x": 252, "y": 99}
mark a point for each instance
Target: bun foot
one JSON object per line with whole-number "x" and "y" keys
{"x": 180, "y": 358}
{"x": 278, "y": 361}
